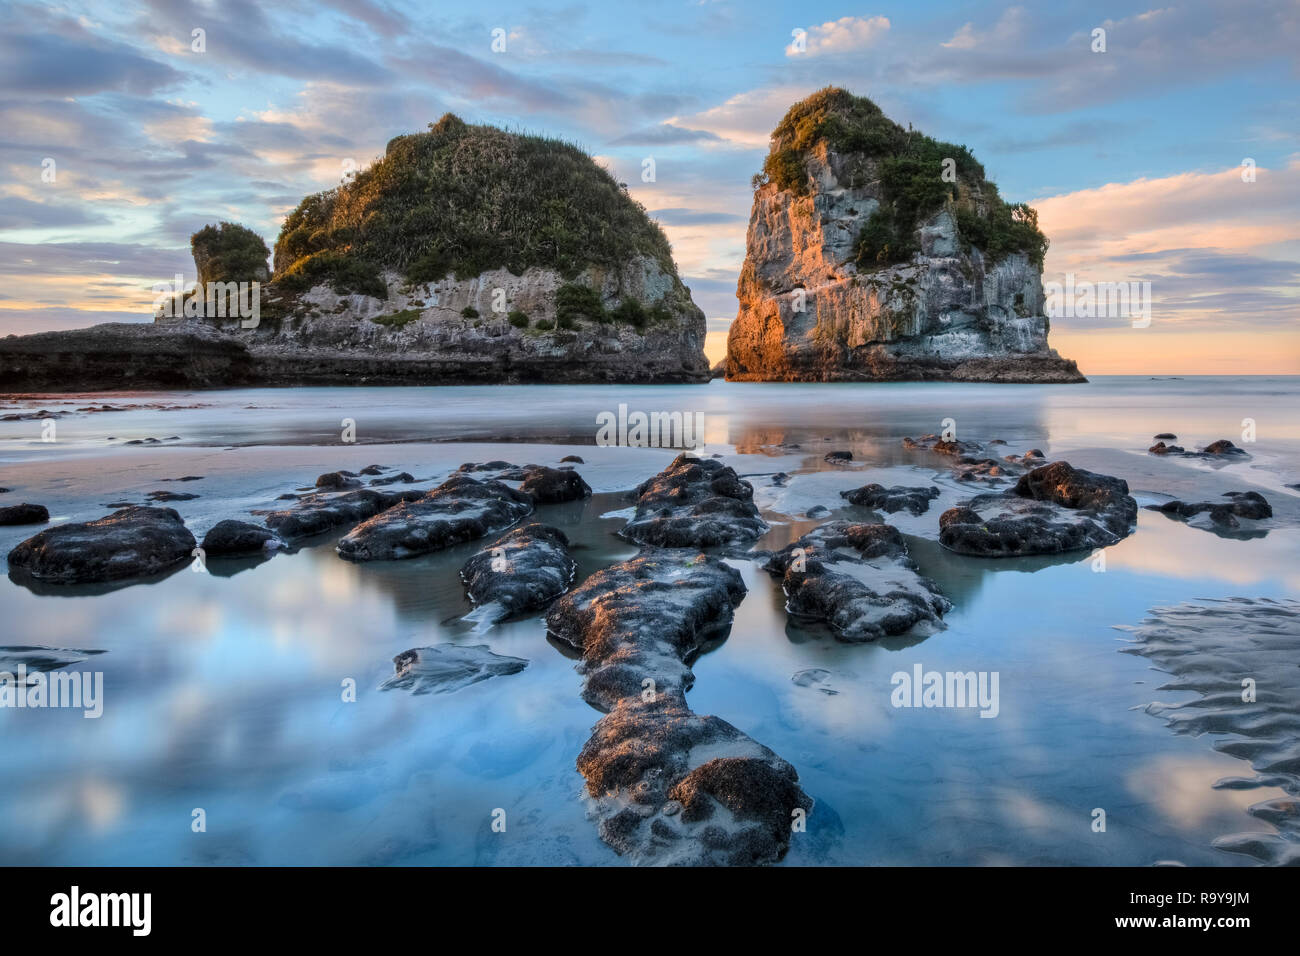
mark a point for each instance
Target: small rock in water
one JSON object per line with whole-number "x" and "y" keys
{"x": 525, "y": 570}
{"x": 24, "y": 514}
{"x": 405, "y": 477}
{"x": 817, "y": 511}
{"x": 1160, "y": 448}
{"x": 836, "y": 457}
{"x": 337, "y": 481}
{"x": 497, "y": 465}
{"x": 695, "y": 503}
{"x": 1245, "y": 504}
{"x": 890, "y": 500}
{"x": 1052, "y": 509}
{"x": 231, "y": 537}
{"x": 576, "y": 459}
{"x": 1166, "y": 436}
{"x": 444, "y": 668}
{"x": 460, "y": 509}
{"x": 816, "y": 677}
{"x": 374, "y": 470}
{"x": 170, "y": 496}
{"x": 316, "y": 514}
{"x": 133, "y": 542}
{"x": 548, "y": 486}
{"x": 857, "y": 579}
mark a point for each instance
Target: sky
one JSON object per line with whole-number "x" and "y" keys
{"x": 1173, "y": 157}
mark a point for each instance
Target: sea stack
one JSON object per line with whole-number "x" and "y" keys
{"x": 877, "y": 253}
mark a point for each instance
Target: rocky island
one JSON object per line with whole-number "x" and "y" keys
{"x": 877, "y": 253}
{"x": 466, "y": 254}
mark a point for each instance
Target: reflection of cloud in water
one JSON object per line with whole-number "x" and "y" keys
{"x": 1174, "y": 549}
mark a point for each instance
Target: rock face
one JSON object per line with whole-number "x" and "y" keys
{"x": 524, "y": 570}
{"x": 1051, "y": 509}
{"x": 446, "y": 332}
{"x": 858, "y": 579}
{"x": 670, "y": 786}
{"x": 132, "y": 542}
{"x": 695, "y": 503}
{"x": 124, "y": 356}
{"x": 460, "y": 509}
{"x": 812, "y": 310}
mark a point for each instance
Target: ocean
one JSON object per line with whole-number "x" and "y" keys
{"x": 225, "y": 736}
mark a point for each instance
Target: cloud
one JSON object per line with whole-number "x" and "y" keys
{"x": 845, "y": 35}
{"x": 666, "y": 134}
{"x": 48, "y": 56}
{"x": 746, "y": 119}
{"x": 1218, "y": 251}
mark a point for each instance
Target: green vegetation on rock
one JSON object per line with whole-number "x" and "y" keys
{"x": 460, "y": 200}
{"x": 908, "y": 166}
{"x": 229, "y": 252}
{"x": 397, "y": 319}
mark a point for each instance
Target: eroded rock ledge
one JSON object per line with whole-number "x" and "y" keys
{"x": 667, "y": 785}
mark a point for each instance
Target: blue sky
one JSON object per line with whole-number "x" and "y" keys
{"x": 1133, "y": 155}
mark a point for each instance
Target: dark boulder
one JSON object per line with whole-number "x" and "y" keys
{"x": 132, "y": 542}
{"x": 695, "y": 503}
{"x": 525, "y": 570}
{"x": 460, "y": 509}
{"x": 548, "y": 486}
{"x": 24, "y": 514}
{"x": 890, "y": 500}
{"x": 1051, "y": 509}
{"x": 858, "y": 579}
{"x": 231, "y": 537}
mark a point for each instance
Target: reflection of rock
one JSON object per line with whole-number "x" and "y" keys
{"x": 316, "y": 514}
{"x": 35, "y": 659}
{"x": 670, "y": 786}
{"x": 460, "y": 509}
{"x": 1239, "y": 655}
{"x": 890, "y": 500}
{"x": 24, "y": 514}
{"x": 1244, "y": 504}
{"x": 816, "y": 677}
{"x": 858, "y": 579}
{"x": 132, "y": 542}
{"x": 695, "y": 503}
{"x": 230, "y": 537}
{"x": 1051, "y": 509}
{"x": 525, "y": 570}
{"x": 447, "y": 667}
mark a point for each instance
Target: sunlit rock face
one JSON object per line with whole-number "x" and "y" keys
{"x": 812, "y": 310}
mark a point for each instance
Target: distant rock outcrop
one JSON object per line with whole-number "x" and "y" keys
{"x": 865, "y": 261}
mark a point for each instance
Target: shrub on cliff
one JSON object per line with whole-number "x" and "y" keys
{"x": 459, "y": 200}
{"x": 229, "y": 252}
{"x": 908, "y": 166}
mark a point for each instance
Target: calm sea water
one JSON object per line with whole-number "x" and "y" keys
{"x": 223, "y": 690}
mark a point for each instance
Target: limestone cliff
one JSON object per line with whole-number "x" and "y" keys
{"x": 864, "y": 261}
